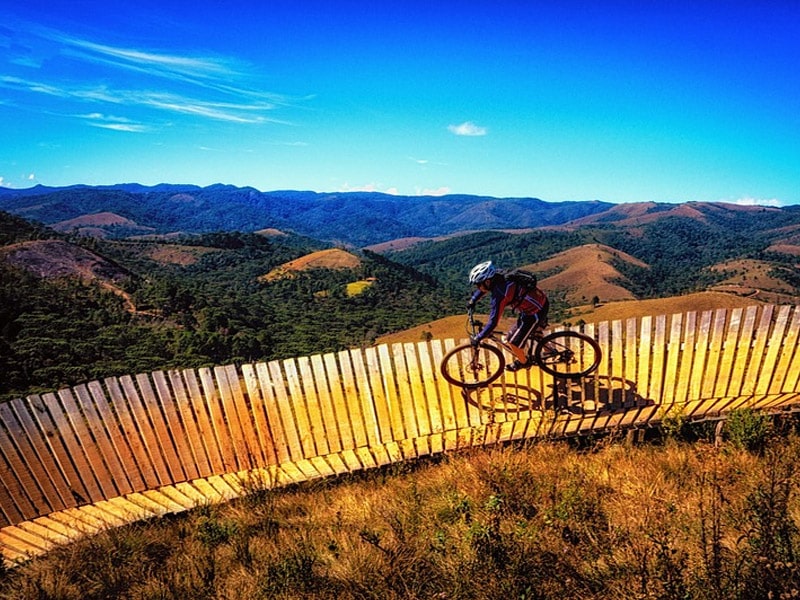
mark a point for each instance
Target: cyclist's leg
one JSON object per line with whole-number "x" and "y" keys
{"x": 526, "y": 324}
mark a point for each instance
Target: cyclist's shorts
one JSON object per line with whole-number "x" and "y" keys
{"x": 526, "y": 324}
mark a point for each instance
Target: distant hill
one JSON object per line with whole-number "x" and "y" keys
{"x": 332, "y": 258}
{"x": 56, "y": 258}
{"x": 586, "y": 272}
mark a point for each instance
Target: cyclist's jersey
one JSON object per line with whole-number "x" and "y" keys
{"x": 507, "y": 294}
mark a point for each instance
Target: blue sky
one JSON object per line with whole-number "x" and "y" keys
{"x": 616, "y": 101}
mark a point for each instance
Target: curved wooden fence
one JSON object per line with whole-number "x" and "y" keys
{"x": 109, "y": 452}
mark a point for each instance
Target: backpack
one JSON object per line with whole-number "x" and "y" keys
{"x": 525, "y": 280}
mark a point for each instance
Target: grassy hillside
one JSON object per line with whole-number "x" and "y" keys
{"x": 73, "y": 311}
{"x": 546, "y": 521}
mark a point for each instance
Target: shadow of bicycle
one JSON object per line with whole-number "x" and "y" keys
{"x": 586, "y": 395}
{"x": 505, "y": 398}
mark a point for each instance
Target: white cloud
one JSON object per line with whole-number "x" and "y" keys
{"x": 468, "y": 128}
{"x": 368, "y": 187}
{"x": 748, "y": 201}
{"x": 441, "y": 191}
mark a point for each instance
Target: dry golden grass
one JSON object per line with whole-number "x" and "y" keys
{"x": 585, "y": 272}
{"x": 332, "y": 258}
{"x": 546, "y": 520}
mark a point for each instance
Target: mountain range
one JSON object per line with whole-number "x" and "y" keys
{"x": 354, "y": 219}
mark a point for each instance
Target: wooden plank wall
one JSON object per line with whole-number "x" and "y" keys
{"x": 101, "y": 453}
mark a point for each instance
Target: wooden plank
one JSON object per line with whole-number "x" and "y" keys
{"x": 602, "y": 387}
{"x": 342, "y": 416}
{"x": 294, "y": 444}
{"x": 175, "y": 426}
{"x": 246, "y": 417}
{"x": 351, "y": 400}
{"x": 659, "y": 360}
{"x": 406, "y": 401}
{"x": 729, "y": 344}
{"x": 274, "y": 423}
{"x": 165, "y": 441}
{"x": 44, "y": 454}
{"x": 203, "y": 417}
{"x": 617, "y": 381}
{"x": 714, "y": 354}
{"x": 754, "y": 367}
{"x": 296, "y": 411}
{"x": 391, "y": 393}
{"x": 194, "y": 442}
{"x": 117, "y": 436}
{"x": 300, "y": 409}
{"x": 417, "y": 388}
{"x": 326, "y": 403}
{"x": 141, "y": 423}
{"x": 234, "y": 419}
{"x": 55, "y": 442}
{"x": 631, "y": 355}
{"x": 74, "y": 450}
{"x": 682, "y": 388}
{"x": 428, "y": 369}
{"x": 742, "y": 358}
{"x": 102, "y": 431}
{"x": 366, "y": 407}
{"x": 79, "y": 519}
{"x": 84, "y": 444}
{"x": 17, "y": 503}
{"x": 673, "y": 362}
{"x": 699, "y": 372}
{"x": 258, "y": 406}
{"x": 216, "y": 413}
{"x": 444, "y": 391}
{"x": 773, "y": 349}
{"x": 788, "y": 368}
{"x": 138, "y": 436}
{"x": 645, "y": 346}
{"x": 377, "y": 383}
{"x": 313, "y": 406}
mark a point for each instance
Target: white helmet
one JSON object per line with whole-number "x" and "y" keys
{"x": 482, "y": 272}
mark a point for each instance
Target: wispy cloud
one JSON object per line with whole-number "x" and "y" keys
{"x": 233, "y": 112}
{"x": 216, "y": 88}
{"x": 468, "y": 128}
{"x": 114, "y": 123}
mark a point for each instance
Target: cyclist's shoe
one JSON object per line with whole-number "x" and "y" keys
{"x": 517, "y": 365}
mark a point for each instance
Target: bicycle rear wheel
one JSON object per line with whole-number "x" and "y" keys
{"x": 569, "y": 354}
{"x": 468, "y": 366}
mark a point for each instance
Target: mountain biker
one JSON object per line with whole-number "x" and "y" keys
{"x": 531, "y": 303}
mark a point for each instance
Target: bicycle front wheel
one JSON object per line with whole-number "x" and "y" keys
{"x": 569, "y": 354}
{"x": 468, "y": 366}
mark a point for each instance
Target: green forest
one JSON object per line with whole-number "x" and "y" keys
{"x": 59, "y": 332}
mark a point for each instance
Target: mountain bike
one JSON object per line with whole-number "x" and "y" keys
{"x": 562, "y": 354}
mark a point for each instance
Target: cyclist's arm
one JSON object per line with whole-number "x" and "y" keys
{"x": 499, "y": 300}
{"x": 476, "y": 295}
